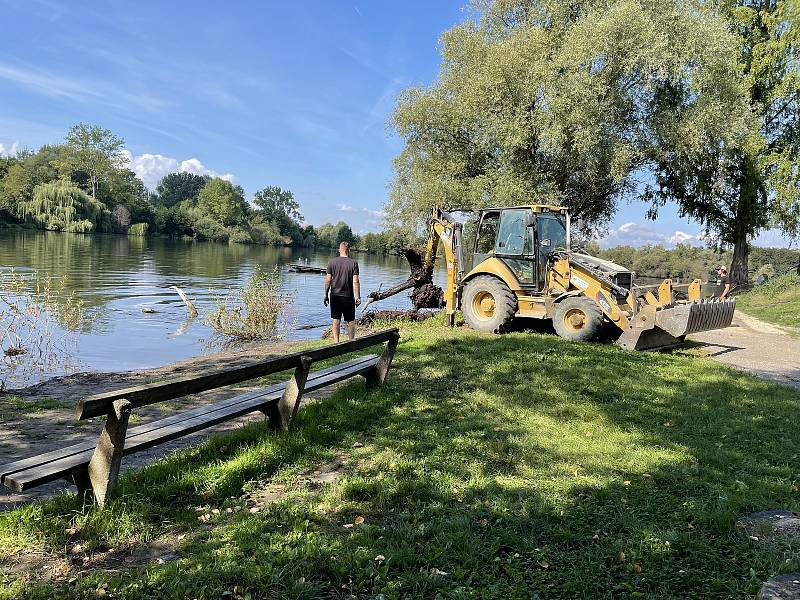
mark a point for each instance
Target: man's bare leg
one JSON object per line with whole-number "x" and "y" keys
{"x": 351, "y": 330}
{"x": 336, "y": 326}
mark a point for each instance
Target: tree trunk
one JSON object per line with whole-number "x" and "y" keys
{"x": 741, "y": 254}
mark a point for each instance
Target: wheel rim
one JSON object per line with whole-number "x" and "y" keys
{"x": 484, "y": 305}
{"x": 575, "y": 320}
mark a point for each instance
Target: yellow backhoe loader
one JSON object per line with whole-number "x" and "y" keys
{"x": 523, "y": 267}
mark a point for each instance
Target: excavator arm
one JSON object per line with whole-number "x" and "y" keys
{"x": 444, "y": 229}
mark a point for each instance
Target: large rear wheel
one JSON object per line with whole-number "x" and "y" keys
{"x": 578, "y": 319}
{"x": 488, "y": 305}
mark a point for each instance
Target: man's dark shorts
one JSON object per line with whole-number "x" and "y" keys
{"x": 343, "y": 308}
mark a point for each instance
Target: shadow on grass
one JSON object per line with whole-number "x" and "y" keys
{"x": 518, "y": 465}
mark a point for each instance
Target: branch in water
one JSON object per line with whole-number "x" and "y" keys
{"x": 189, "y": 306}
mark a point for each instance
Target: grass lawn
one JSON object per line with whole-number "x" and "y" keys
{"x": 515, "y": 466}
{"x": 777, "y": 301}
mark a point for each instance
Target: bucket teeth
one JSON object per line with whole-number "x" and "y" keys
{"x": 672, "y": 325}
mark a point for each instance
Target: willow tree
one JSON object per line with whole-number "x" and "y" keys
{"x": 555, "y": 102}
{"x": 738, "y": 189}
{"x": 61, "y": 206}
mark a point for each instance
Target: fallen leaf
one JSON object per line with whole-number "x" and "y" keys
{"x": 380, "y": 557}
{"x": 215, "y": 511}
{"x": 438, "y": 572}
{"x": 626, "y": 483}
{"x": 588, "y": 434}
{"x": 621, "y": 556}
{"x": 76, "y": 549}
{"x": 348, "y": 525}
{"x": 595, "y": 537}
{"x": 636, "y": 568}
{"x": 70, "y": 531}
{"x": 358, "y": 445}
{"x": 255, "y": 509}
{"x": 207, "y": 494}
{"x": 358, "y": 520}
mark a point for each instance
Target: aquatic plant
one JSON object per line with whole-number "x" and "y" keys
{"x": 38, "y": 321}
{"x": 256, "y": 311}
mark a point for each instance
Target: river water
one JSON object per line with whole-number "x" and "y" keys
{"x": 120, "y": 277}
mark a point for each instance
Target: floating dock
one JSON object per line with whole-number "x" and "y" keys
{"x": 302, "y": 268}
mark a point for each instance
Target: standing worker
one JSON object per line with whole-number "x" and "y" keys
{"x": 723, "y": 283}
{"x": 342, "y": 282}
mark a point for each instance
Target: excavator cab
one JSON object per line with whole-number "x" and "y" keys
{"x": 523, "y": 240}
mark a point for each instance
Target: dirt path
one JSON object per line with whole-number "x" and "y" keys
{"x": 756, "y": 347}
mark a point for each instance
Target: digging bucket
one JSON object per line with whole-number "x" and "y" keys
{"x": 661, "y": 329}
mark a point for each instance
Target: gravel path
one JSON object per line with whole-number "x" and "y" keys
{"x": 756, "y": 347}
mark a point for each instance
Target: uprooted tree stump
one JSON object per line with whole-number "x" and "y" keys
{"x": 425, "y": 294}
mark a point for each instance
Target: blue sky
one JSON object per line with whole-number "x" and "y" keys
{"x": 294, "y": 94}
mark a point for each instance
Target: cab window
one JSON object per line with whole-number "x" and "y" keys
{"x": 511, "y": 238}
{"x": 487, "y": 233}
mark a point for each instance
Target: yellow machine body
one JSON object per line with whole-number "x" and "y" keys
{"x": 543, "y": 280}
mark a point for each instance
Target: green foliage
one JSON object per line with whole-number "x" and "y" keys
{"x": 751, "y": 181}
{"x": 329, "y": 235}
{"x": 777, "y": 301}
{"x": 17, "y": 187}
{"x": 623, "y": 486}
{"x": 391, "y": 241}
{"x": 257, "y": 311}
{"x": 177, "y": 187}
{"x": 221, "y": 201}
{"x": 94, "y": 151}
{"x": 138, "y": 229}
{"x": 266, "y": 233}
{"x": 61, "y": 206}
{"x": 563, "y": 103}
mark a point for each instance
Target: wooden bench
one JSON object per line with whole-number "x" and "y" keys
{"x": 96, "y": 467}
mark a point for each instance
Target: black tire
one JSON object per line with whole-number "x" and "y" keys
{"x": 488, "y": 305}
{"x": 578, "y": 319}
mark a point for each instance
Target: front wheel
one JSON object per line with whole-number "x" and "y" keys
{"x": 578, "y": 319}
{"x": 488, "y": 305}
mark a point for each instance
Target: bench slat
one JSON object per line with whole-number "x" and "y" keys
{"x": 100, "y": 404}
{"x": 157, "y": 432}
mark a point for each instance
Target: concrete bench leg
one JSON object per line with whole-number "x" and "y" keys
{"x": 103, "y": 470}
{"x": 378, "y": 374}
{"x": 280, "y": 414}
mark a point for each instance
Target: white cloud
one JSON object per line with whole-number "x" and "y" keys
{"x": 641, "y": 234}
{"x": 150, "y": 168}
{"x": 9, "y": 150}
{"x": 377, "y": 214}
{"x": 344, "y": 208}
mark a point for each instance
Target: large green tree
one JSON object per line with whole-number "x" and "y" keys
{"x": 223, "y": 202}
{"x": 93, "y": 151}
{"x": 278, "y": 206}
{"x": 177, "y": 187}
{"x": 555, "y": 102}
{"x": 739, "y": 188}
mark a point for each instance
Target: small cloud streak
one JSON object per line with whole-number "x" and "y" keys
{"x": 151, "y": 168}
{"x": 344, "y": 208}
{"x": 641, "y": 234}
{"x": 9, "y": 150}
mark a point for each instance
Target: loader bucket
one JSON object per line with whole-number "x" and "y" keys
{"x": 661, "y": 329}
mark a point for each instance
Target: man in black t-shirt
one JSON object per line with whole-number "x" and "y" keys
{"x": 341, "y": 281}
{"x": 723, "y": 283}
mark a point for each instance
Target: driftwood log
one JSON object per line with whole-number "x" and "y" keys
{"x": 424, "y": 295}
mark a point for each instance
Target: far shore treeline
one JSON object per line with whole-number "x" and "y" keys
{"x": 83, "y": 185}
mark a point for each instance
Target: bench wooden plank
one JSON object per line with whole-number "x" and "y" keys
{"x": 143, "y": 395}
{"x": 144, "y": 437}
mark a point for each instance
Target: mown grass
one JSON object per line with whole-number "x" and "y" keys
{"x": 12, "y": 407}
{"x": 521, "y": 466}
{"x": 777, "y": 301}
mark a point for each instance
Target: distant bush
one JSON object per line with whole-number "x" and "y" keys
{"x": 139, "y": 229}
{"x": 207, "y": 229}
{"x": 238, "y": 235}
{"x": 61, "y": 206}
{"x": 256, "y": 311}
